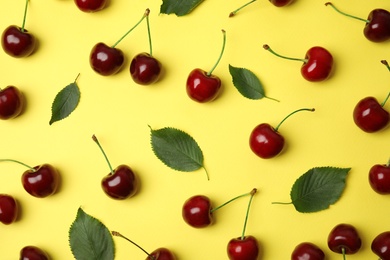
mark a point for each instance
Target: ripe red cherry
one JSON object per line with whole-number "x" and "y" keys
{"x": 246, "y": 248}
{"x": 265, "y": 141}
{"x": 203, "y": 86}
{"x": 307, "y": 251}
{"x": 381, "y": 245}
{"x": 377, "y": 28}
{"x": 196, "y": 211}
{"x": 41, "y": 181}
{"x": 317, "y": 64}
{"x": 33, "y": 253}
{"x": 370, "y": 116}
{"x": 9, "y": 209}
{"x": 11, "y": 102}
{"x": 344, "y": 239}
{"x": 145, "y": 69}
{"x": 90, "y": 6}
{"x": 379, "y": 178}
{"x": 121, "y": 183}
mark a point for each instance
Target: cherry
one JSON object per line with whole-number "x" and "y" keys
{"x": 39, "y": 181}
{"x": 106, "y": 60}
{"x": 144, "y": 68}
{"x": 244, "y": 247}
{"x": 265, "y": 141}
{"x": 277, "y": 3}
{"x": 203, "y": 86}
{"x": 121, "y": 182}
{"x": 317, "y": 64}
{"x": 197, "y": 210}
{"x": 17, "y": 41}
{"x": 33, "y": 253}
{"x": 90, "y": 6}
{"x": 307, "y": 251}
{"x": 161, "y": 253}
{"x": 11, "y": 102}
{"x": 377, "y": 28}
{"x": 381, "y": 245}
{"x": 379, "y": 178}
{"x": 9, "y": 209}
{"x": 344, "y": 239}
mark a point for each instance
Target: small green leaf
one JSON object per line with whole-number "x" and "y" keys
{"x": 179, "y": 7}
{"x": 176, "y": 149}
{"x": 247, "y": 83}
{"x": 318, "y": 188}
{"x": 89, "y": 239}
{"x": 65, "y": 102}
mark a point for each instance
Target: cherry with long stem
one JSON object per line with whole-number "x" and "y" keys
{"x": 221, "y": 53}
{"x": 241, "y": 7}
{"x": 292, "y": 113}
{"x": 348, "y": 15}
{"x": 268, "y": 48}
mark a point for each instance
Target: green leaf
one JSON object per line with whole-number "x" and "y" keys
{"x": 179, "y": 7}
{"x": 176, "y": 149}
{"x": 318, "y": 188}
{"x": 247, "y": 83}
{"x": 65, "y": 102}
{"x": 89, "y": 239}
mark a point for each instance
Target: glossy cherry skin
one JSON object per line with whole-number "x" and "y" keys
{"x": 379, "y": 178}
{"x": 41, "y": 182}
{"x": 202, "y": 87}
{"x": 344, "y": 236}
{"x": 11, "y": 102}
{"x": 319, "y": 64}
{"x": 162, "y": 254}
{"x": 381, "y": 245}
{"x": 196, "y": 211}
{"x": 33, "y": 253}
{"x": 9, "y": 209}
{"x": 106, "y": 60}
{"x": 378, "y": 27}
{"x": 370, "y": 116}
{"x": 122, "y": 184}
{"x": 90, "y": 6}
{"x": 280, "y": 3}
{"x": 265, "y": 141}
{"x": 17, "y": 43}
{"x": 307, "y": 251}
{"x": 145, "y": 69}
{"x": 243, "y": 249}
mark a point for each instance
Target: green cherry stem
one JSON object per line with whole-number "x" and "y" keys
{"x": 94, "y": 138}
{"x": 149, "y": 34}
{"x": 296, "y": 111}
{"x": 384, "y": 62}
{"x": 268, "y": 48}
{"x": 348, "y": 15}
{"x": 12, "y": 160}
{"x": 24, "y": 16}
{"x": 384, "y": 102}
{"x": 231, "y": 200}
{"x": 238, "y": 9}
{"x": 343, "y": 252}
{"x": 220, "y": 55}
{"x": 252, "y": 193}
{"x": 117, "y": 234}
{"x": 143, "y": 17}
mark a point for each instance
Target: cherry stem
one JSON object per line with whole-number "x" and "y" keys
{"x": 117, "y": 234}
{"x": 220, "y": 55}
{"x": 77, "y": 77}
{"x": 384, "y": 102}
{"x": 143, "y": 17}
{"x": 149, "y": 34}
{"x": 94, "y": 138}
{"x": 24, "y": 16}
{"x": 233, "y": 199}
{"x": 207, "y": 173}
{"x": 266, "y": 47}
{"x": 252, "y": 193}
{"x": 388, "y": 163}
{"x": 296, "y": 111}
{"x": 11, "y": 160}
{"x": 343, "y": 252}
{"x": 351, "y": 16}
{"x": 238, "y": 9}
{"x": 384, "y": 62}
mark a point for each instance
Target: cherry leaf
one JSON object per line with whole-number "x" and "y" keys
{"x": 176, "y": 149}
{"x": 65, "y": 102}
{"x": 90, "y": 239}
{"x": 318, "y": 188}
{"x": 247, "y": 83}
{"x": 179, "y": 7}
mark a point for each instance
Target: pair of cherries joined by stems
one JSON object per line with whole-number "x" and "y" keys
{"x": 197, "y": 212}
{"x": 106, "y": 60}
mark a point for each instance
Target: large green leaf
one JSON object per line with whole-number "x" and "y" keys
{"x": 179, "y": 7}
{"x": 90, "y": 239}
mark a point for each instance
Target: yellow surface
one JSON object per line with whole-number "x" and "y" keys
{"x": 118, "y": 112}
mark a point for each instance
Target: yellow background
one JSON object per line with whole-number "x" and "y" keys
{"x": 118, "y": 112}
